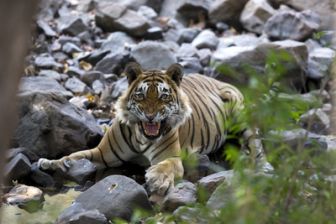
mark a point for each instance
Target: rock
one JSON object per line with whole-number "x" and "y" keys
{"x": 11, "y": 153}
{"x": 60, "y": 57}
{"x": 72, "y": 25}
{"x": 193, "y": 9}
{"x": 63, "y": 39}
{"x": 46, "y": 61}
{"x": 107, "y": 13}
{"x": 191, "y": 65}
{"x": 117, "y": 42}
{"x": 119, "y": 87}
{"x": 97, "y": 87}
{"x": 81, "y": 170}
{"x": 320, "y": 7}
{"x": 51, "y": 127}
{"x": 184, "y": 193}
{"x": 226, "y": 10}
{"x": 81, "y": 101}
{"x": 169, "y": 8}
{"x": 327, "y": 39}
{"x": 204, "y": 56}
{"x": 206, "y": 39}
{"x": 150, "y": 55}
{"x": 78, "y": 215}
{"x": 32, "y": 85}
{"x": 132, "y": 23}
{"x": 187, "y": 35}
{"x": 41, "y": 178}
{"x": 302, "y": 139}
{"x": 94, "y": 56}
{"x": 17, "y": 168}
{"x": 311, "y": 98}
{"x": 186, "y": 50}
{"x": 319, "y": 62}
{"x": 187, "y": 214}
{"x": 75, "y": 71}
{"x": 312, "y": 44}
{"x": 26, "y": 197}
{"x": 198, "y": 167}
{"x": 255, "y": 15}
{"x": 323, "y": 56}
{"x": 211, "y": 182}
{"x": 55, "y": 46}
{"x": 231, "y": 60}
{"x": 89, "y": 77}
{"x": 221, "y": 27}
{"x": 46, "y": 28}
{"x": 315, "y": 120}
{"x": 76, "y": 86}
{"x": 50, "y": 74}
{"x": 112, "y": 63}
{"x": 85, "y": 5}
{"x": 136, "y": 4}
{"x": 70, "y": 48}
{"x": 154, "y": 33}
{"x": 113, "y": 16}
{"x": 147, "y": 12}
{"x": 115, "y": 197}
{"x": 221, "y": 196}
{"x": 287, "y": 24}
{"x": 243, "y": 40}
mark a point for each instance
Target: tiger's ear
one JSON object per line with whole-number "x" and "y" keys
{"x": 175, "y": 72}
{"x": 132, "y": 71}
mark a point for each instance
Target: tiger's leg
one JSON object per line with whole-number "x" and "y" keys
{"x": 233, "y": 103}
{"x": 112, "y": 151}
{"x": 253, "y": 147}
{"x": 66, "y": 162}
{"x": 166, "y": 165}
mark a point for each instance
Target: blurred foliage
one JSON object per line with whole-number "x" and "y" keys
{"x": 300, "y": 190}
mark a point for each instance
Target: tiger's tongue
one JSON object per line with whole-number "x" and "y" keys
{"x": 151, "y": 129}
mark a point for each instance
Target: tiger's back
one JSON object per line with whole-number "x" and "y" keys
{"x": 213, "y": 103}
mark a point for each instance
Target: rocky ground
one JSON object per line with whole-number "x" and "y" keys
{"x": 74, "y": 75}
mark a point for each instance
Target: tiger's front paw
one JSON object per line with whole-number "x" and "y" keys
{"x": 160, "y": 177}
{"x": 159, "y": 181}
{"x": 45, "y": 164}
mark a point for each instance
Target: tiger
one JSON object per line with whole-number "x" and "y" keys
{"x": 160, "y": 114}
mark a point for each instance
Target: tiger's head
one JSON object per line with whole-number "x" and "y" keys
{"x": 154, "y": 101}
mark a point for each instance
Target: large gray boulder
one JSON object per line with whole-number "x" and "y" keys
{"x": 184, "y": 193}
{"x": 232, "y": 61}
{"x": 211, "y": 182}
{"x": 51, "y": 127}
{"x": 194, "y": 9}
{"x": 115, "y": 196}
{"x": 206, "y": 39}
{"x": 323, "y": 8}
{"x": 44, "y": 85}
{"x": 153, "y": 55}
{"x": 226, "y": 10}
{"x": 288, "y": 24}
{"x": 114, "y": 16}
{"x": 255, "y": 15}
{"x": 16, "y": 168}
{"x": 319, "y": 62}
{"x": 72, "y": 25}
{"x": 117, "y": 42}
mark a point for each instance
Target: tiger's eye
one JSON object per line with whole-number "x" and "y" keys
{"x": 164, "y": 97}
{"x": 139, "y": 96}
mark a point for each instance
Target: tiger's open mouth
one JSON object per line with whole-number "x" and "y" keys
{"x": 152, "y": 130}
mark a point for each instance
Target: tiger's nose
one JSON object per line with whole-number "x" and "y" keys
{"x": 150, "y": 116}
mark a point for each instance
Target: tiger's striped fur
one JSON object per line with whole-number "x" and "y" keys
{"x": 159, "y": 115}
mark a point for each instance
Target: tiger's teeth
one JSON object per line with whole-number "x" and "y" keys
{"x": 151, "y": 129}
